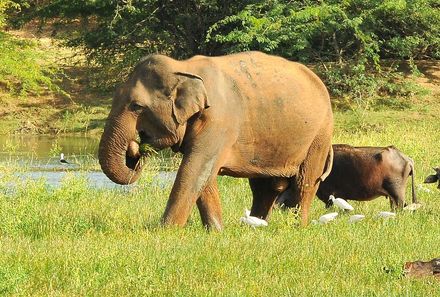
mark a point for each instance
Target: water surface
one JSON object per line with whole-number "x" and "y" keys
{"x": 38, "y": 156}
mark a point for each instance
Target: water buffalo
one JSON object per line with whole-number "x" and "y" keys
{"x": 421, "y": 269}
{"x": 434, "y": 177}
{"x": 364, "y": 173}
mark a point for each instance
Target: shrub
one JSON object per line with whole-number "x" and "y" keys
{"x": 24, "y": 68}
{"x": 346, "y": 39}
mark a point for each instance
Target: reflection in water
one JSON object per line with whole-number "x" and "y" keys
{"x": 44, "y": 150}
{"x": 41, "y": 145}
{"x": 39, "y": 156}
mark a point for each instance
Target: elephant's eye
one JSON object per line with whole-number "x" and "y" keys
{"x": 136, "y": 107}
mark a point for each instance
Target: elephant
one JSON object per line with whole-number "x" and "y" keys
{"x": 247, "y": 115}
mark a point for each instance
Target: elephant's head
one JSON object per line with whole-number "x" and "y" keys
{"x": 155, "y": 102}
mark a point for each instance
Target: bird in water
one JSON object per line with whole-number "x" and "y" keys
{"x": 252, "y": 221}
{"x": 341, "y": 203}
{"x": 62, "y": 160}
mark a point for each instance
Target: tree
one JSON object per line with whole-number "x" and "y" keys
{"x": 346, "y": 40}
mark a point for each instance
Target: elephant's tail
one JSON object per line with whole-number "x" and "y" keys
{"x": 413, "y": 190}
{"x": 328, "y": 165}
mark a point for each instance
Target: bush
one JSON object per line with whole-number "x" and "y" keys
{"x": 346, "y": 39}
{"x": 6, "y": 6}
{"x": 24, "y": 68}
{"x": 115, "y": 35}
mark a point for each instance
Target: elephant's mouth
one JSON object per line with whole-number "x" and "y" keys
{"x": 156, "y": 143}
{"x": 132, "y": 162}
{"x": 137, "y": 151}
{"x": 133, "y": 157}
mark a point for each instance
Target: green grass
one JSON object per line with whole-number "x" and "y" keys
{"x": 76, "y": 240}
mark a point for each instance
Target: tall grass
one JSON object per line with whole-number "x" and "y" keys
{"x": 76, "y": 240}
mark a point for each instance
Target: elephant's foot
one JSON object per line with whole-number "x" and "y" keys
{"x": 307, "y": 195}
{"x": 210, "y": 208}
{"x": 176, "y": 213}
{"x": 168, "y": 221}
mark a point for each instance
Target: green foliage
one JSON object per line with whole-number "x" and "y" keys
{"x": 314, "y": 31}
{"x": 5, "y": 7}
{"x": 347, "y": 40}
{"x": 24, "y": 67}
{"x": 116, "y": 34}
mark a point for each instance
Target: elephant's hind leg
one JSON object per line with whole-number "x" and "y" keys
{"x": 210, "y": 208}
{"x": 307, "y": 180}
{"x": 265, "y": 191}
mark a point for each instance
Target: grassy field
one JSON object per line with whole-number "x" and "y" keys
{"x": 76, "y": 240}
{"x": 81, "y": 241}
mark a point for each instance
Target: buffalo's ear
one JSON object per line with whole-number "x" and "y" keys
{"x": 431, "y": 179}
{"x": 189, "y": 96}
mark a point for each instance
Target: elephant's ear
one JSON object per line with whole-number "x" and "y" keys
{"x": 189, "y": 96}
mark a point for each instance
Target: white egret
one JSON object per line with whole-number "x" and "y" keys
{"x": 341, "y": 203}
{"x": 412, "y": 206}
{"x": 386, "y": 214}
{"x": 253, "y": 221}
{"x": 356, "y": 218}
{"x": 324, "y": 219}
{"x": 422, "y": 188}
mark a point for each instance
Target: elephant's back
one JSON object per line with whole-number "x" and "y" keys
{"x": 281, "y": 107}
{"x": 286, "y": 92}
{"x": 260, "y": 76}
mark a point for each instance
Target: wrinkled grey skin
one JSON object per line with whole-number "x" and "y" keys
{"x": 245, "y": 115}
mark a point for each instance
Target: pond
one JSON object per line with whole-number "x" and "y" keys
{"x": 38, "y": 156}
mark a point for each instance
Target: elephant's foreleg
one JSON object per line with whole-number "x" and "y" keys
{"x": 210, "y": 208}
{"x": 196, "y": 178}
{"x": 265, "y": 191}
{"x": 194, "y": 174}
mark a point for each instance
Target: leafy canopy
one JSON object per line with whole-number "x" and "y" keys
{"x": 346, "y": 40}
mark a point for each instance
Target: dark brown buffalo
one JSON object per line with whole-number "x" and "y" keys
{"x": 434, "y": 177}
{"x": 418, "y": 269}
{"x": 364, "y": 173}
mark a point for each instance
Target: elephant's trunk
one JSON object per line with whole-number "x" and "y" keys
{"x": 116, "y": 156}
